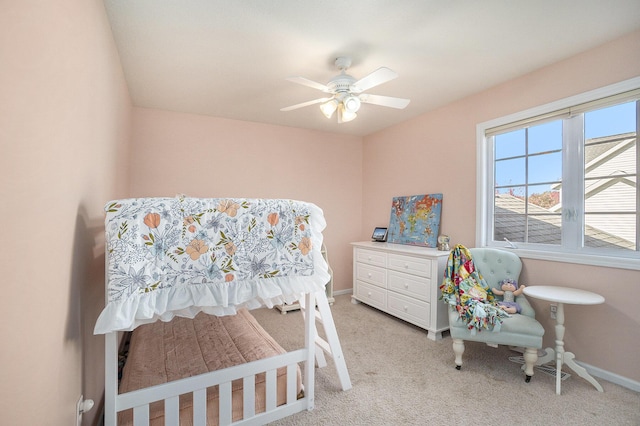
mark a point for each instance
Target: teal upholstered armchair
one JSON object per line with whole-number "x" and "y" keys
{"x": 520, "y": 330}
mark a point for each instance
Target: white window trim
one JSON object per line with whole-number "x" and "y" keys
{"x": 484, "y": 214}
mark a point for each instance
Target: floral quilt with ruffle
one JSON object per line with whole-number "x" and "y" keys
{"x": 180, "y": 256}
{"x": 468, "y": 293}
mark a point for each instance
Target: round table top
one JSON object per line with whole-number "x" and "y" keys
{"x": 563, "y": 295}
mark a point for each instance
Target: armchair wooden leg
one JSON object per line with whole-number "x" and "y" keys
{"x": 530, "y": 359}
{"x": 458, "y": 350}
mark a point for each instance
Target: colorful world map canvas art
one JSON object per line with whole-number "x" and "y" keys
{"x": 415, "y": 220}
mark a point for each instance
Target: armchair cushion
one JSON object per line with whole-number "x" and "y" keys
{"x": 517, "y": 330}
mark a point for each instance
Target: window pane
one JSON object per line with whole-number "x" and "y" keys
{"x": 610, "y": 193}
{"x": 545, "y": 137}
{"x": 613, "y": 120}
{"x": 544, "y": 198}
{"x": 610, "y": 231}
{"x": 509, "y": 217}
{"x": 545, "y": 229}
{"x": 510, "y": 172}
{"x": 511, "y": 227}
{"x": 510, "y": 144}
{"x": 545, "y": 168}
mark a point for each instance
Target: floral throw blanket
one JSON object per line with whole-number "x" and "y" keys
{"x": 180, "y": 256}
{"x": 466, "y": 291}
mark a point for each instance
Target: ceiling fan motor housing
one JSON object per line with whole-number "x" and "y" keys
{"x": 340, "y": 83}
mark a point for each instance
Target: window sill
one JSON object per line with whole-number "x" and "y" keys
{"x": 581, "y": 259}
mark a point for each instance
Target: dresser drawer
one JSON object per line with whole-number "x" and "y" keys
{"x": 371, "y": 295}
{"x": 371, "y": 274}
{"x": 410, "y": 265}
{"x": 371, "y": 257}
{"x": 412, "y": 310}
{"x": 410, "y": 285}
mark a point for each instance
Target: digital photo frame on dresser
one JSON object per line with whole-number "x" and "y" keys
{"x": 379, "y": 234}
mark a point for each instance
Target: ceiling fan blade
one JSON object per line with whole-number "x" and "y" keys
{"x": 387, "y": 101}
{"x": 304, "y": 104}
{"x": 379, "y": 76}
{"x": 309, "y": 83}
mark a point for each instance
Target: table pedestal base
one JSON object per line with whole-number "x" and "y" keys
{"x": 567, "y": 358}
{"x": 562, "y": 295}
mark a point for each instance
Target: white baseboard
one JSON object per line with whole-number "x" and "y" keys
{"x": 611, "y": 377}
{"x": 341, "y": 292}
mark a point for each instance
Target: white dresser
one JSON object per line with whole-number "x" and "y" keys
{"x": 403, "y": 281}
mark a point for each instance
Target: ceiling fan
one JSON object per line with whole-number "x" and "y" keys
{"x": 347, "y": 92}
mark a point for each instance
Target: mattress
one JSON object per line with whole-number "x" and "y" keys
{"x": 166, "y": 351}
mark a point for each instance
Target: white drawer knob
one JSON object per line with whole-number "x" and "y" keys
{"x": 405, "y": 308}
{"x": 369, "y": 274}
{"x": 369, "y": 294}
{"x": 406, "y": 285}
{"x": 406, "y": 266}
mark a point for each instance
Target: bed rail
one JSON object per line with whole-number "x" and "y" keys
{"x": 140, "y": 400}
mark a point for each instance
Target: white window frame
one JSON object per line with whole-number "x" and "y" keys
{"x": 484, "y": 184}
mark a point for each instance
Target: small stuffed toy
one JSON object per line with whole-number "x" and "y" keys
{"x": 509, "y": 290}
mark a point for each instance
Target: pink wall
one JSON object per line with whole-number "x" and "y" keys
{"x": 64, "y": 126}
{"x": 212, "y": 157}
{"x": 436, "y": 152}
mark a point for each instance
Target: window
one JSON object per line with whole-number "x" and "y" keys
{"x": 561, "y": 179}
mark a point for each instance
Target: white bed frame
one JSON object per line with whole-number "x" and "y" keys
{"x": 315, "y": 347}
{"x": 314, "y": 350}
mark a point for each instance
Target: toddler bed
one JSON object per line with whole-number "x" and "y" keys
{"x": 197, "y": 265}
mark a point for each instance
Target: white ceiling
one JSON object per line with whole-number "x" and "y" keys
{"x": 230, "y": 58}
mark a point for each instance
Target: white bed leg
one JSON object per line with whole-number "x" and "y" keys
{"x": 309, "y": 343}
{"x": 110, "y": 378}
{"x": 321, "y": 361}
{"x": 329, "y": 325}
{"x": 331, "y": 346}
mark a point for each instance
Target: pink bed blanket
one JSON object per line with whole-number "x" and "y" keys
{"x": 166, "y": 351}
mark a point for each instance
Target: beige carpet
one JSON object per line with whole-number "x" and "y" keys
{"x": 400, "y": 377}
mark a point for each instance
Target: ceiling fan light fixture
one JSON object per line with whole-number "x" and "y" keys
{"x": 351, "y": 104}
{"x": 345, "y": 116}
{"x": 329, "y": 108}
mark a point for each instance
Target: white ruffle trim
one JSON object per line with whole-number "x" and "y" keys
{"x": 217, "y": 298}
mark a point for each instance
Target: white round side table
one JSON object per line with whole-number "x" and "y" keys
{"x": 562, "y": 295}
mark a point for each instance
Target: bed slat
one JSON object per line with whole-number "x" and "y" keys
{"x": 271, "y": 389}
{"x": 225, "y": 403}
{"x": 172, "y": 410}
{"x": 141, "y": 415}
{"x": 249, "y": 396}
{"x": 292, "y": 391}
{"x": 199, "y": 408}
